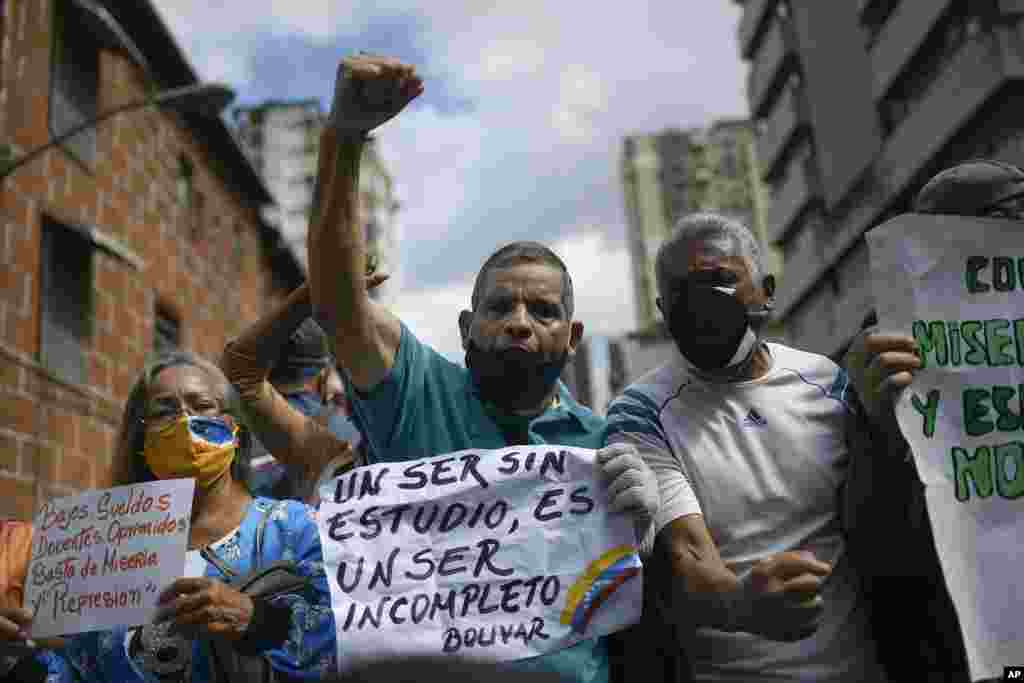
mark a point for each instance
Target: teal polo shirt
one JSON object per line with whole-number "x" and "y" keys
{"x": 426, "y": 406}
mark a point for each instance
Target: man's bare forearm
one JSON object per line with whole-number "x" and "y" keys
{"x": 337, "y": 246}
{"x": 364, "y": 336}
{"x": 369, "y": 90}
{"x": 704, "y": 592}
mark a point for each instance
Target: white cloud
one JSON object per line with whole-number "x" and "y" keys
{"x": 226, "y": 66}
{"x": 430, "y": 156}
{"x": 506, "y": 59}
{"x": 581, "y": 97}
{"x": 316, "y": 19}
{"x": 602, "y": 280}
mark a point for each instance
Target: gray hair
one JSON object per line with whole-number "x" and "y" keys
{"x": 724, "y": 234}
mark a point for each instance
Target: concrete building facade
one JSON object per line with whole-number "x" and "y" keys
{"x": 138, "y": 236}
{"x": 674, "y": 172}
{"x": 859, "y": 103}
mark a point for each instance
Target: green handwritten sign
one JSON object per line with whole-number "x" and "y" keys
{"x": 956, "y": 285}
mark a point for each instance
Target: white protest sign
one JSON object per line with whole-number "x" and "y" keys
{"x": 490, "y": 555}
{"x": 957, "y": 286}
{"x": 101, "y": 558}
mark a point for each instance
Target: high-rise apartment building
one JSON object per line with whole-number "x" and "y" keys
{"x": 668, "y": 174}
{"x": 282, "y": 139}
{"x": 860, "y": 103}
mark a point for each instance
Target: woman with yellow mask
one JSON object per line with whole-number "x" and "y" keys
{"x": 177, "y": 424}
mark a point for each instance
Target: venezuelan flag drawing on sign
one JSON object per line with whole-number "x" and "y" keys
{"x": 603, "y": 576}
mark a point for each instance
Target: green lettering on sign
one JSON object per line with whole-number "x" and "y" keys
{"x": 972, "y": 332}
{"x": 976, "y": 412}
{"x": 1008, "y": 421}
{"x": 928, "y": 410}
{"x": 968, "y": 469}
{"x": 974, "y": 265}
{"x": 931, "y": 338}
{"x": 997, "y": 339}
{"x": 1010, "y": 456}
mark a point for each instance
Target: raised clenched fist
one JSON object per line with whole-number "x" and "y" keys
{"x": 370, "y": 90}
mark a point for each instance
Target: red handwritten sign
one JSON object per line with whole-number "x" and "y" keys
{"x": 99, "y": 559}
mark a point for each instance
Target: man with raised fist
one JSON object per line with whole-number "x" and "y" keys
{"x": 518, "y": 333}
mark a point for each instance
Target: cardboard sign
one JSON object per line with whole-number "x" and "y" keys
{"x": 101, "y": 558}
{"x": 957, "y": 286}
{"x": 489, "y": 555}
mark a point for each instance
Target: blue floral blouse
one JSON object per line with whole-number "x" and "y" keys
{"x": 310, "y": 651}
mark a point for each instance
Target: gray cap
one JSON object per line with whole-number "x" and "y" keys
{"x": 970, "y": 188}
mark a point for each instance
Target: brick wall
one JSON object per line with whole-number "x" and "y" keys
{"x": 210, "y": 270}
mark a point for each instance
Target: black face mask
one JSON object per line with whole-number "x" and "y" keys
{"x": 710, "y": 328}
{"x": 513, "y": 379}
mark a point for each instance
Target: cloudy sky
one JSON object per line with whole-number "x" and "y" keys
{"x": 519, "y": 132}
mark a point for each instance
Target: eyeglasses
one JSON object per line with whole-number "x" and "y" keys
{"x": 163, "y": 413}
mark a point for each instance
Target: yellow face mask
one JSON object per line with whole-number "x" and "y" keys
{"x": 199, "y": 447}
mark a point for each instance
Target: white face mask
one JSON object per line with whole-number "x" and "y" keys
{"x": 747, "y": 344}
{"x": 746, "y": 347}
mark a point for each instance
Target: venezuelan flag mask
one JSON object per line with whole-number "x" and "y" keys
{"x": 199, "y": 447}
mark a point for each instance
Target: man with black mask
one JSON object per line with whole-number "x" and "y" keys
{"x": 413, "y": 403}
{"x": 747, "y": 439}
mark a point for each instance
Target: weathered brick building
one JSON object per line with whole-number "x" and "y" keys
{"x": 142, "y": 234}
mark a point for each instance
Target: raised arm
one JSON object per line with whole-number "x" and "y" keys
{"x": 293, "y": 438}
{"x": 368, "y": 92}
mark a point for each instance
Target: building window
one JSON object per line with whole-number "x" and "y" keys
{"x": 166, "y": 331}
{"x": 74, "y": 80}
{"x": 65, "y": 300}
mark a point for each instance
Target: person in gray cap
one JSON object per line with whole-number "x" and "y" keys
{"x": 890, "y": 535}
{"x": 983, "y": 188}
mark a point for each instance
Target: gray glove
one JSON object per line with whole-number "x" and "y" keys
{"x": 632, "y": 486}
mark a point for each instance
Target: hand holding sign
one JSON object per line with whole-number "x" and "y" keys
{"x": 881, "y": 366}
{"x": 632, "y": 485}
{"x": 205, "y": 605}
{"x": 15, "y": 625}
